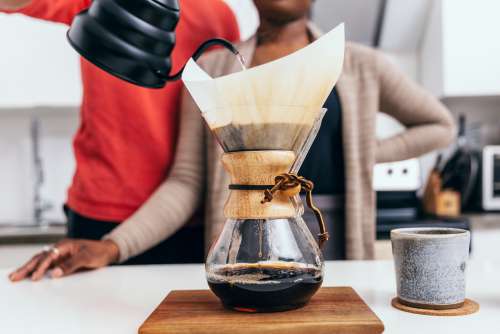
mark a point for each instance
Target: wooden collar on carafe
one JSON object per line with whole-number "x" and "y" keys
{"x": 251, "y": 173}
{"x": 262, "y": 187}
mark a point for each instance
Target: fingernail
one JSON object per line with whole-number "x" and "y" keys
{"x": 57, "y": 272}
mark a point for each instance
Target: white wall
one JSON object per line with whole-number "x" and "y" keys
{"x": 15, "y": 171}
{"x": 482, "y": 115}
{"x": 471, "y": 47}
{"x": 360, "y": 17}
{"x": 37, "y": 65}
{"x": 404, "y": 32}
{"x": 16, "y": 165}
{"x": 431, "y": 52}
{"x": 461, "y": 49}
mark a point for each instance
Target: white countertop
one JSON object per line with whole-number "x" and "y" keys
{"x": 118, "y": 299}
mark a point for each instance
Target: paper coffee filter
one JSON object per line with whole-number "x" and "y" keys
{"x": 288, "y": 91}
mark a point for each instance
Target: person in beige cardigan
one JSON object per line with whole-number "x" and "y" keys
{"x": 369, "y": 83}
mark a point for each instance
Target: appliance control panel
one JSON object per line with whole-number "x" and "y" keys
{"x": 491, "y": 177}
{"x": 397, "y": 176}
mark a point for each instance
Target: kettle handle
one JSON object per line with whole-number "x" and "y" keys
{"x": 197, "y": 54}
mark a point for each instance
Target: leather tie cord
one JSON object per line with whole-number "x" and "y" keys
{"x": 291, "y": 184}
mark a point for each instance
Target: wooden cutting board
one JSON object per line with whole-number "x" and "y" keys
{"x": 331, "y": 310}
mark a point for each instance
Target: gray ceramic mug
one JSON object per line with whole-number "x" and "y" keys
{"x": 430, "y": 266}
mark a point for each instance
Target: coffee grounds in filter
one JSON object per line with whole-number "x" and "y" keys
{"x": 263, "y": 136}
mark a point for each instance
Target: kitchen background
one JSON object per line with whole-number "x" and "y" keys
{"x": 449, "y": 46}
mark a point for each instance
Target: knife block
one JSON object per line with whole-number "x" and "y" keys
{"x": 438, "y": 201}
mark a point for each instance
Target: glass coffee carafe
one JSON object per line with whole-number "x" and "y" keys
{"x": 265, "y": 258}
{"x": 266, "y": 118}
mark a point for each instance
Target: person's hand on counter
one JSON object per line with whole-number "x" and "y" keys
{"x": 67, "y": 257}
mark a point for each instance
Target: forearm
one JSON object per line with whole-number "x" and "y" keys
{"x": 13, "y": 4}
{"x": 160, "y": 217}
{"x": 414, "y": 142}
{"x": 429, "y": 125}
{"x": 176, "y": 200}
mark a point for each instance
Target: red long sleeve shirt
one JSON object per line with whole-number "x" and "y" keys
{"x": 125, "y": 144}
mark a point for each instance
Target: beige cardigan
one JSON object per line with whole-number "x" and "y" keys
{"x": 369, "y": 83}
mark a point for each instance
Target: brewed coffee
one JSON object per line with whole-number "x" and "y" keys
{"x": 263, "y": 136}
{"x": 265, "y": 286}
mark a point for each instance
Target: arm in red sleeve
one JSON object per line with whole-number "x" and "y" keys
{"x": 61, "y": 11}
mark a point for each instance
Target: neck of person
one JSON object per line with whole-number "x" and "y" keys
{"x": 283, "y": 33}
{"x": 276, "y": 40}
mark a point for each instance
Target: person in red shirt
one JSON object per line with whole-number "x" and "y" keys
{"x": 125, "y": 144}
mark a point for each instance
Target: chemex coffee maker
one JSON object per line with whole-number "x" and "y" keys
{"x": 266, "y": 258}
{"x": 266, "y": 118}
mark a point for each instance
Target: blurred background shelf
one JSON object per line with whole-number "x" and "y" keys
{"x": 18, "y": 243}
{"x": 31, "y": 234}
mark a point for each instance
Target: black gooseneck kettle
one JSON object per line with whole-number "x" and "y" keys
{"x": 132, "y": 39}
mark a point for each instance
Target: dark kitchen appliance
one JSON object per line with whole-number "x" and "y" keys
{"x": 384, "y": 228}
{"x": 132, "y": 40}
{"x": 490, "y": 185}
{"x": 403, "y": 209}
{"x": 461, "y": 171}
{"x": 398, "y": 204}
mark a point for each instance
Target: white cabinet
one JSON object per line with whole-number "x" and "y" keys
{"x": 460, "y": 53}
{"x": 37, "y": 65}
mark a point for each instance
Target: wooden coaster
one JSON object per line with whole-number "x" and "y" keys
{"x": 337, "y": 310}
{"x": 469, "y": 307}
